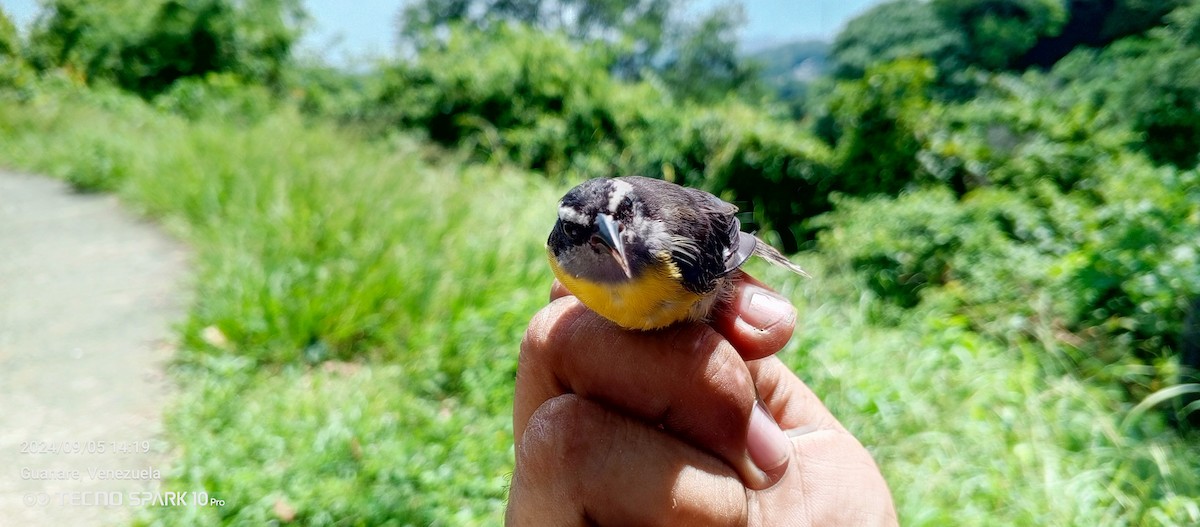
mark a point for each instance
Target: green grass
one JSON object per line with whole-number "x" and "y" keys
{"x": 350, "y": 349}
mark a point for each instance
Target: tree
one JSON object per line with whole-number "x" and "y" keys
{"x": 897, "y": 30}
{"x": 1184, "y": 24}
{"x": 1000, "y": 32}
{"x": 638, "y": 27}
{"x": 85, "y": 38}
{"x": 145, "y": 49}
{"x": 192, "y": 38}
{"x": 1149, "y": 84}
{"x": 697, "y": 61}
{"x": 705, "y": 65}
{"x": 1131, "y": 17}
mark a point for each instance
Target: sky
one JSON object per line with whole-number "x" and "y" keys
{"x": 346, "y": 29}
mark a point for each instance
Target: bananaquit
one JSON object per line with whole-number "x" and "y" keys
{"x": 645, "y": 253}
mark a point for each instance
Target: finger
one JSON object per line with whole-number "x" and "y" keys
{"x": 828, "y": 461}
{"x": 757, "y": 321}
{"x": 582, "y": 464}
{"x": 834, "y": 481}
{"x": 557, "y": 290}
{"x": 791, "y": 402}
{"x": 686, "y": 379}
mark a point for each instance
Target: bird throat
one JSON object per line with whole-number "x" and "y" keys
{"x": 651, "y": 299}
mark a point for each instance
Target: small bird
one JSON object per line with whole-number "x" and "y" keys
{"x": 646, "y": 253}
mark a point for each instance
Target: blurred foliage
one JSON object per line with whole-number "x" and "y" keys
{"x": 928, "y": 245}
{"x": 1149, "y": 84}
{"x": 1000, "y": 32}
{"x": 1138, "y": 266}
{"x": 520, "y": 95}
{"x": 10, "y": 41}
{"x": 962, "y": 36}
{"x": 1020, "y": 135}
{"x": 1131, "y": 17}
{"x": 775, "y": 170}
{"x": 695, "y": 59}
{"x": 217, "y": 96}
{"x": 145, "y": 47}
{"x": 640, "y": 28}
{"x": 1059, "y": 207}
{"x": 875, "y": 123}
{"x": 85, "y": 38}
{"x": 901, "y": 29}
{"x": 15, "y": 75}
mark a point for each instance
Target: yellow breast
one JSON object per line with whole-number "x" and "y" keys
{"x": 654, "y": 299}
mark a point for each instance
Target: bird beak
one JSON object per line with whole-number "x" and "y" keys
{"x": 610, "y": 234}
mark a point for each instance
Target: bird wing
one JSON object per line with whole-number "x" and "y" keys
{"x": 738, "y": 246}
{"x": 727, "y": 247}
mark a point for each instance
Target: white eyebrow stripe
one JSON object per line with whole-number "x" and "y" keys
{"x": 571, "y": 215}
{"x": 620, "y": 189}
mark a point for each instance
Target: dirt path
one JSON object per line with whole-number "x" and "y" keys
{"x": 87, "y": 296}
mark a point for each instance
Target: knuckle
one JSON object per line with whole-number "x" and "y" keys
{"x": 537, "y": 333}
{"x": 545, "y": 335}
{"x": 727, "y": 375}
{"x": 558, "y": 435}
{"x": 547, "y": 455}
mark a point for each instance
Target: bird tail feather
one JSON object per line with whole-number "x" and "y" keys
{"x": 772, "y": 255}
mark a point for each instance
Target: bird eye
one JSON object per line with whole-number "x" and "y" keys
{"x": 573, "y": 231}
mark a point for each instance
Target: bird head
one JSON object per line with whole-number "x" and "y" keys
{"x": 601, "y": 232}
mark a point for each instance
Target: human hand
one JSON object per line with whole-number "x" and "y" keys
{"x": 616, "y": 427}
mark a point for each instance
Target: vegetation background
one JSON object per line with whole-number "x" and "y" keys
{"x": 999, "y": 202}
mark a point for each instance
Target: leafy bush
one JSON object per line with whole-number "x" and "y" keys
{"x": 334, "y": 93}
{"x": 876, "y": 123}
{"x": 779, "y": 170}
{"x": 145, "y": 47}
{"x": 10, "y": 41}
{"x": 1148, "y": 84}
{"x": 928, "y": 242}
{"x": 1054, "y": 223}
{"x": 902, "y": 29}
{"x": 85, "y": 38}
{"x": 1138, "y": 267}
{"x": 217, "y": 96}
{"x": 101, "y": 167}
{"x": 511, "y": 92}
{"x": 999, "y": 32}
{"x": 1163, "y": 102}
{"x": 1017, "y": 136}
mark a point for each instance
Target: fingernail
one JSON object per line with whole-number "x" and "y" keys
{"x": 764, "y": 310}
{"x": 769, "y": 448}
{"x": 801, "y": 431}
